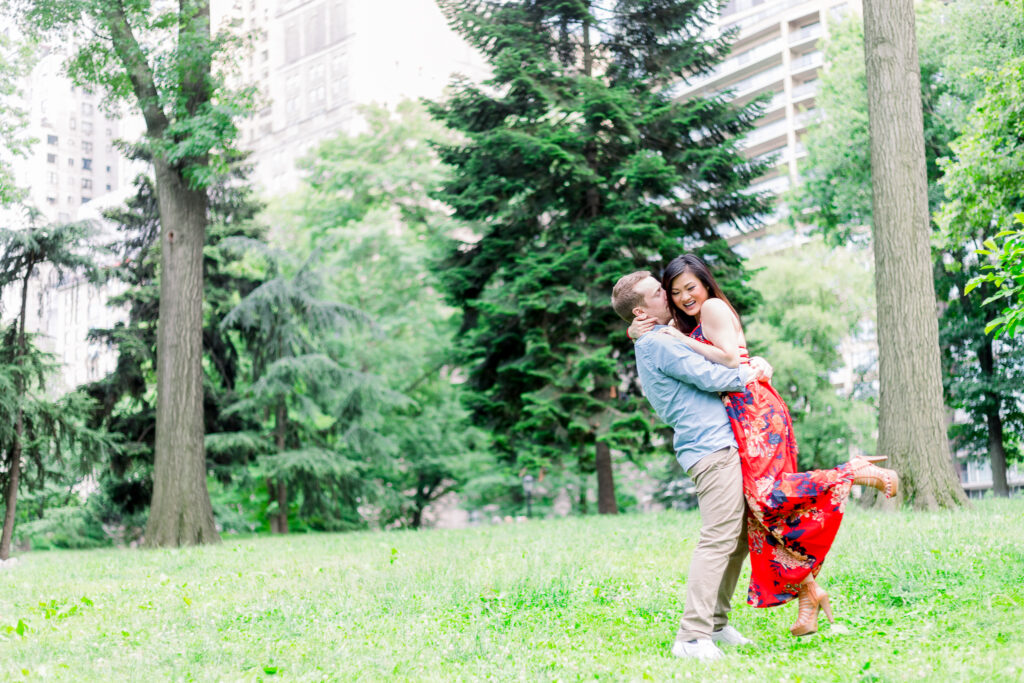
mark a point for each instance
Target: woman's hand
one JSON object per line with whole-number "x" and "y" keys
{"x": 762, "y": 369}
{"x": 641, "y": 325}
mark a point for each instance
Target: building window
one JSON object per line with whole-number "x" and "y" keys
{"x": 86, "y": 164}
{"x": 338, "y": 74}
{"x": 337, "y": 21}
{"x": 292, "y": 48}
{"x": 71, "y": 163}
{"x": 85, "y": 199}
{"x": 52, "y": 178}
{"x": 108, "y": 187}
{"x": 51, "y": 200}
{"x": 86, "y": 147}
{"x": 316, "y": 30}
{"x": 51, "y": 158}
{"x": 108, "y": 169}
{"x": 316, "y": 88}
{"x": 87, "y": 127}
{"x": 86, "y": 183}
{"x": 72, "y": 123}
{"x": 51, "y": 139}
{"x": 86, "y": 109}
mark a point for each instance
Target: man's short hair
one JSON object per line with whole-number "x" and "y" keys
{"x": 624, "y": 295}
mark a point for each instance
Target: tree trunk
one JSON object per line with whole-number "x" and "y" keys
{"x": 911, "y": 429}
{"x": 606, "y": 503}
{"x": 279, "y": 489}
{"x": 996, "y": 451}
{"x": 10, "y": 500}
{"x": 271, "y": 497}
{"x": 180, "y": 513}
{"x": 14, "y": 465}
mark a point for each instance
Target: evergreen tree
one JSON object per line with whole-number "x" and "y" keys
{"x": 29, "y": 420}
{"x": 576, "y": 164}
{"x": 314, "y": 409}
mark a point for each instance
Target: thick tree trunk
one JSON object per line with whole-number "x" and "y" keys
{"x": 180, "y": 513}
{"x": 911, "y": 429}
{"x": 606, "y": 503}
{"x": 996, "y": 451}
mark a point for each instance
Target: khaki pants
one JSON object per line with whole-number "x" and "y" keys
{"x": 719, "y": 555}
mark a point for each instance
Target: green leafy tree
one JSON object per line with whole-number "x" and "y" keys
{"x": 160, "y": 59}
{"x": 370, "y": 194}
{"x": 983, "y": 185}
{"x": 959, "y": 43}
{"x": 15, "y": 60}
{"x": 575, "y": 165}
{"x": 28, "y": 416}
{"x": 813, "y": 298}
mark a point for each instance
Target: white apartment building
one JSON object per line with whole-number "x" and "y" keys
{"x": 776, "y": 53}
{"x": 316, "y": 61}
{"x": 72, "y": 163}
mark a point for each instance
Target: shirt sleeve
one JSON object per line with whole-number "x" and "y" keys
{"x": 677, "y": 360}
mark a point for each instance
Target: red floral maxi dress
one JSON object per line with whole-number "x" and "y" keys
{"x": 792, "y": 517}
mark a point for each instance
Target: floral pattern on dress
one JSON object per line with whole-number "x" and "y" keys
{"x": 792, "y": 517}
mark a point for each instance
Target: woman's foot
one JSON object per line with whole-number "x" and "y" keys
{"x": 867, "y": 474}
{"x": 811, "y": 599}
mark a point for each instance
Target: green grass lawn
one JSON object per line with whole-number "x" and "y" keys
{"x": 917, "y": 597}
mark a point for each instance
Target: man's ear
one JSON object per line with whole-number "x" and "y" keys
{"x": 637, "y": 312}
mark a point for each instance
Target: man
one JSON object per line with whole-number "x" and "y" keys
{"x": 683, "y": 387}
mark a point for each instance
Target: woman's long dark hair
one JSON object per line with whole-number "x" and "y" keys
{"x": 693, "y": 264}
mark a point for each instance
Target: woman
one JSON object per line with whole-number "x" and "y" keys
{"x": 792, "y": 517}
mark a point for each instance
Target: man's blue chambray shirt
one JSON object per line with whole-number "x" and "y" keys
{"x": 683, "y": 387}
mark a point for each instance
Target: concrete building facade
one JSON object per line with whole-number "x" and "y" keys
{"x": 316, "y": 61}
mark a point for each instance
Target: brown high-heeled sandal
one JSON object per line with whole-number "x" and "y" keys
{"x": 866, "y": 473}
{"x": 811, "y": 599}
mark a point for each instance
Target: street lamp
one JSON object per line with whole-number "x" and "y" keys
{"x": 528, "y": 490}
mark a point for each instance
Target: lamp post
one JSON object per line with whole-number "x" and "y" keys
{"x": 528, "y": 490}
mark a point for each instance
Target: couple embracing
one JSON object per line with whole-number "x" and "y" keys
{"x": 734, "y": 437}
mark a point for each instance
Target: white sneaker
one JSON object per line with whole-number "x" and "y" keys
{"x": 727, "y": 635}
{"x": 702, "y": 649}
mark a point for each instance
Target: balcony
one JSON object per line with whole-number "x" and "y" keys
{"x": 808, "y": 35}
{"x": 748, "y": 59}
{"x": 807, "y": 62}
{"x": 805, "y": 90}
{"x": 763, "y": 134}
{"x": 768, "y": 13}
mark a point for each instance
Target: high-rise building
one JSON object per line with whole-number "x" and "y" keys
{"x": 776, "y": 53}
{"x": 316, "y": 61}
{"x": 73, "y": 162}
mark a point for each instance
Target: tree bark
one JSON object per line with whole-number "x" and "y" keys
{"x": 180, "y": 513}
{"x": 278, "y": 489}
{"x": 996, "y": 451}
{"x": 606, "y": 503}
{"x": 14, "y": 464}
{"x": 911, "y": 429}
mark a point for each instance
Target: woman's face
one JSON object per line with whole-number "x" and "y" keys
{"x": 688, "y": 293}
